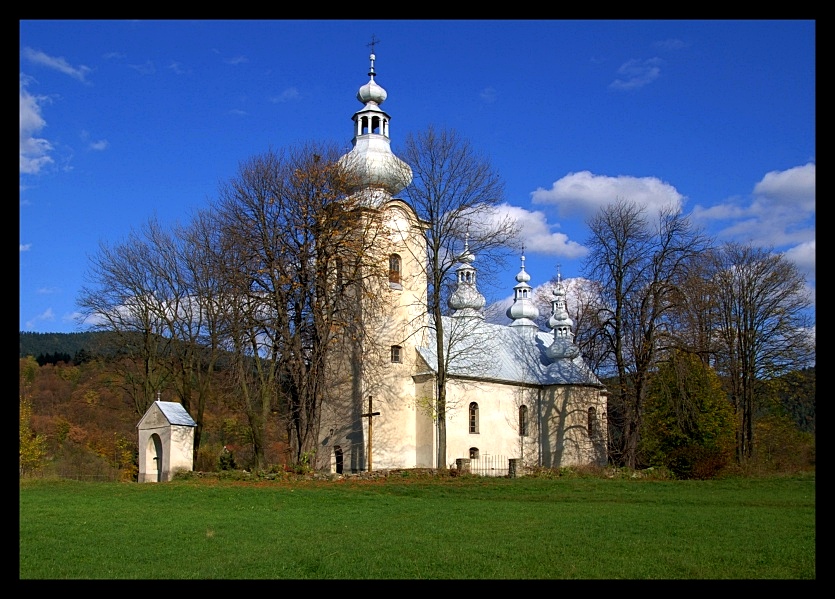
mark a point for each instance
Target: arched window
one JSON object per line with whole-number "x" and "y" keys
{"x": 523, "y": 421}
{"x": 592, "y": 424}
{"x": 396, "y": 354}
{"x": 394, "y": 269}
{"x": 339, "y": 270}
{"x": 473, "y": 453}
{"x": 474, "y": 418}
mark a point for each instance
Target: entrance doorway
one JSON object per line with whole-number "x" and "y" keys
{"x": 337, "y": 450}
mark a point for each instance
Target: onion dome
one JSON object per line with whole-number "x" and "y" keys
{"x": 466, "y": 299}
{"x": 371, "y": 158}
{"x": 523, "y": 312}
{"x": 563, "y": 345}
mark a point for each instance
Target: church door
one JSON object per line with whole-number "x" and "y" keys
{"x": 338, "y": 453}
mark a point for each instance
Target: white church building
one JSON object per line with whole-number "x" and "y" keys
{"x": 514, "y": 391}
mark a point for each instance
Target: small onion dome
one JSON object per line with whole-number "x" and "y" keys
{"x": 371, "y": 91}
{"x": 466, "y": 300}
{"x": 523, "y": 312}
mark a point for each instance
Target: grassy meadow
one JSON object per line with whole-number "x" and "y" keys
{"x": 403, "y": 527}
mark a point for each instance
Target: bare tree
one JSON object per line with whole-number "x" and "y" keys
{"x": 640, "y": 264}
{"x": 125, "y": 294}
{"x": 764, "y": 326}
{"x": 289, "y": 223}
{"x": 456, "y": 191}
{"x": 154, "y": 292}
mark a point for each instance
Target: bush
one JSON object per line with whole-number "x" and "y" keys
{"x": 696, "y": 462}
{"x": 226, "y": 461}
{"x": 779, "y": 445}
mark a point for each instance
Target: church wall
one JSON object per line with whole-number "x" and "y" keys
{"x": 564, "y": 421}
{"x": 425, "y": 429}
{"x": 498, "y": 420}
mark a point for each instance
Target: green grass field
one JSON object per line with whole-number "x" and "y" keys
{"x": 441, "y": 528}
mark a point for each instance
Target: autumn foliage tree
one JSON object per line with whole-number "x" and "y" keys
{"x": 287, "y": 223}
{"x": 688, "y": 421}
{"x": 32, "y": 444}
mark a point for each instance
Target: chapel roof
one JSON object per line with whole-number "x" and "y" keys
{"x": 175, "y": 413}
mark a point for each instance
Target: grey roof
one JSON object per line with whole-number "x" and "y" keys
{"x": 175, "y": 413}
{"x": 488, "y": 351}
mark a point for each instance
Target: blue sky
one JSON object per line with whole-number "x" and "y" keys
{"x": 123, "y": 121}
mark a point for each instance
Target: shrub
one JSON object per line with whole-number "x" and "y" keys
{"x": 226, "y": 461}
{"x": 696, "y": 462}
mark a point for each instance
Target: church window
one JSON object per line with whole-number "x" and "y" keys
{"x": 473, "y": 418}
{"x": 592, "y": 423}
{"x": 394, "y": 269}
{"x": 523, "y": 421}
{"x": 473, "y": 453}
{"x": 339, "y": 270}
{"x": 396, "y": 352}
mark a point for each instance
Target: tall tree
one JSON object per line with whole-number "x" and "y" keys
{"x": 126, "y": 295}
{"x": 457, "y": 192}
{"x": 640, "y": 263}
{"x": 764, "y": 326}
{"x": 287, "y": 219}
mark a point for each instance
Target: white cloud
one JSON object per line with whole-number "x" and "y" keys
{"x": 46, "y": 316}
{"x": 539, "y": 238}
{"x": 488, "y": 94}
{"x": 147, "y": 68}
{"x": 177, "y": 67}
{"x": 99, "y": 145}
{"x": 583, "y": 194}
{"x": 779, "y": 213}
{"x": 236, "y": 60}
{"x": 803, "y": 256}
{"x": 34, "y": 151}
{"x": 291, "y": 93}
{"x": 58, "y": 64}
{"x": 637, "y": 73}
{"x": 670, "y": 44}
{"x": 25, "y": 247}
{"x": 793, "y": 188}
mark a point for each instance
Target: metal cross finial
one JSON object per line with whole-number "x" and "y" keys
{"x": 374, "y": 41}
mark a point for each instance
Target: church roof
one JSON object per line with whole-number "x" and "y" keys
{"x": 487, "y": 351}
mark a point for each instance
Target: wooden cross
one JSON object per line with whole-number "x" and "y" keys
{"x": 370, "y": 414}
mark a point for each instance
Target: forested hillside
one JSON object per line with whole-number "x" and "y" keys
{"x": 50, "y": 348}
{"x": 81, "y": 404}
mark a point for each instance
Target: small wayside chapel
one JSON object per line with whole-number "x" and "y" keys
{"x": 515, "y": 393}
{"x": 166, "y": 442}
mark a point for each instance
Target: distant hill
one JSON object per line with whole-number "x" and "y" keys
{"x": 69, "y": 344}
